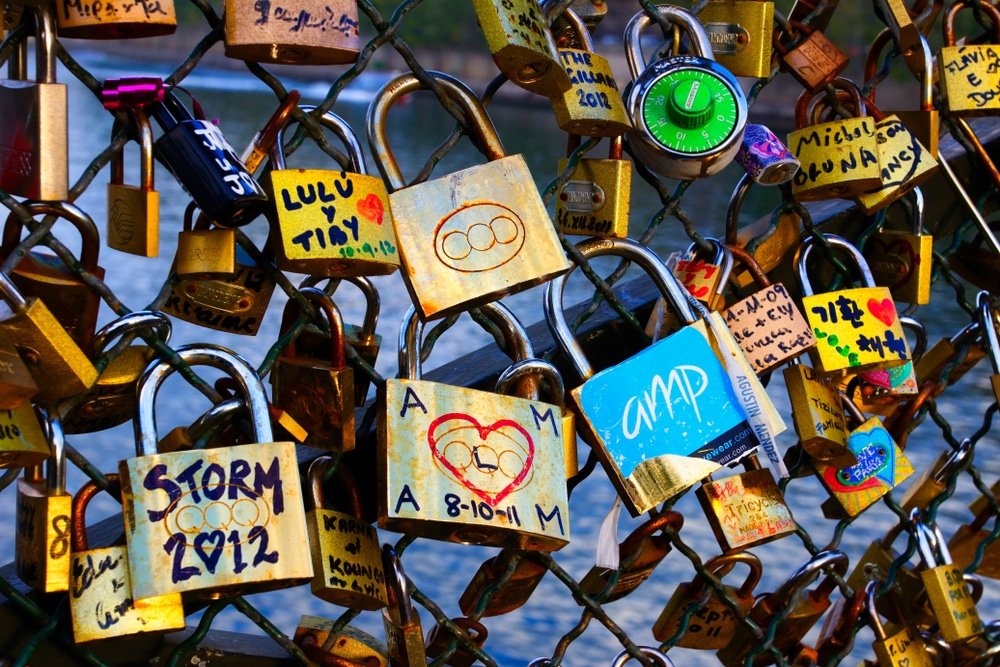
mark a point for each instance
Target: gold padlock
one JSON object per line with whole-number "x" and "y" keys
{"x": 964, "y": 544}
{"x": 116, "y": 19}
{"x": 741, "y": 33}
{"x": 967, "y": 74}
{"x": 933, "y": 481}
{"x": 902, "y": 260}
{"x": 22, "y": 442}
{"x": 904, "y": 647}
{"x": 134, "y": 211}
{"x": 473, "y": 236}
{"x": 949, "y": 359}
{"x": 595, "y": 201}
{"x": 525, "y": 575}
{"x": 349, "y": 646}
{"x": 438, "y": 639}
{"x": 403, "y": 633}
{"x": 204, "y": 251}
{"x": 818, "y": 416}
{"x": 300, "y": 32}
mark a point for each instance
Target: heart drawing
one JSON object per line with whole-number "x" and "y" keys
{"x": 370, "y": 208}
{"x": 884, "y": 310}
{"x": 490, "y": 461}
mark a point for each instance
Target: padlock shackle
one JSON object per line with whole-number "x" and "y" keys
{"x": 141, "y": 320}
{"x": 316, "y": 473}
{"x": 656, "y": 656}
{"x": 90, "y": 240}
{"x": 925, "y": 77}
{"x": 216, "y": 356}
{"x": 45, "y": 45}
{"x": 10, "y": 294}
{"x": 575, "y": 24}
{"x": 988, "y": 325}
{"x": 919, "y": 332}
{"x": 397, "y": 587}
{"x": 948, "y": 21}
{"x": 481, "y": 130}
{"x": 55, "y": 465}
{"x": 373, "y": 301}
{"x": 78, "y": 510}
{"x": 634, "y": 251}
{"x": 700, "y": 45}
{"x": 736, "y": 200}
{"x": 753, "y": 267}
{"x": 874, "y": 620}
{"x": 802, "y": 257}
{"x": 214, "y": 417}
{"x": 322, "y": 301}
{"x": 332, "y": 122}
{"x": 721, "y": 565}
{"x": 723, "y": 259}
{"x": 645, "y": 531}
{"x": 931, "y": 545}
{"x": 530, "y": 368}
{"x": 147, "y": 169}
{"x": 807, "y": 573}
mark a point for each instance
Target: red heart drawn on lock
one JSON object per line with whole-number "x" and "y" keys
{"x": 370, "y": 208}
{"x": 499, "y": 433}
{"x": 884, "y": 310}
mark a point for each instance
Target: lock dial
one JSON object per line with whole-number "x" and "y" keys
{"x": 690, "y": 111}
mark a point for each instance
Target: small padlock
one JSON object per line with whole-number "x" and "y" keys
{"x": 714, "y": 623}
{"x": 639, "y": 555}
{"x": 740, "y": 32}
{"x": 688, "y": 112}
{"x": 439, "y": 638}
{"x": 489, "y": 229}
{"x": 967, "y": 74}
{"x": 954, "y": 356}
{"x": 41, "y": 541}
{"x": 818, "y": 416}
{"x": 836, "y": 635}
{"x": 16, "y": 383}
{"x": 403, "y": 633}
{"x": 965, "y": 543}
{"x": 33, "y": 122}
{"x": 903, "y": 648}
{"x": 102, "y": 601}
{"x": 811, "y": 58}
{"x": 317, "y": 391}
{"x": 765, "y": 157}
{"x": 596, "y": 199}
{"x": 902, "y": 260}
{"x": 705, "y": 280}
{"x": 347, "y": 560}
{"x": 933, "y": 481}
{"x": 881, "y": 390}
{"x": 988, "y": 327}
{"x": 525, "y": 575}
{"x": 330, "y": 222}
{"x": 45, "y": 276}
{"x": 134, "y": 211}
{"x": 116, "y": 19}
{"x": 349, "y": 647}
{"x": 301, "y": 32}
{"x": 204, "y": 252}
{"x": 22, "y": 443}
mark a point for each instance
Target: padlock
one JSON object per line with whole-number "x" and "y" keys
{"x": 525, "y": 575}
{"x": 134, "y": 210}
{"x": 403, "y": 633}
{"x": 217, "y": 520}
{"x": 16, "y": 383}
{"x": 965, "y": 543}
{"x": 740, "y": 32}
{"x": 347, "y": 560}
{"x": 705, "y": 280}
{"x": 132, "y": 92}
{"x": 232, "y": 433}
{"x": 765, "y": 157}
{"x": 456, "y": 462}
{"x": 350, "y": 646}
{"x": 303, "y": 32}
{"x": 116, "y": 19}
{"x": 947, "y": 591}
{"x": 330, "y": 222}
{"x": 804, "y": 608}
{"x": 45, "y": 276}
{"x": 41, "y": 539}
{"x": 318, "y": 391}
{"x": 55, "y": 361}
{"x": 839, "y": 158}
{"x": 655, "y": 657}
{"x": 596, "y": 199}
{"x": 639, "y": 555}
{"x": 836, "y": 635}
{"x": 111, "y": 401}
{"x": 768, "y": 324}
{"x": 439, "y": 638}
{"x": 988, "y": 327}
{"x": 967, "y": 74}
{"x": 811, "y": 58}
{"x": 948, "y": 360}
{"x": 263, "y": 142}
{"x": 204, "y": 251}
{"x": 195, "y": 151}
{"x": 902, "y": 260}
{"x": 34, "y": 133}
{"x": 635, "y": 438}
{"x": 102, "y": 601}
{"x": 592, "y": 106}
{"x": 183, "y": 438}
{"x": 490, "y": 231}
{"x": 22, "y": 443}
{"x": 880, "y": 391}
{"x": 857, "y": 328}
{"x": 902, "y": 648}
{"x": 713, "y": 624}
{"x": 688, "y": 112}
{"x": 591, "y": 11}
{"x": 747, "y": 509}
{"x": 517, "y": 34}
{"x": 818, "y": 416}
{"x": 933, "y": 481}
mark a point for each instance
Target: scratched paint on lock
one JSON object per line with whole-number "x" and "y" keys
{"x": 475, "y": 459}
{"x": 856, "y": 328}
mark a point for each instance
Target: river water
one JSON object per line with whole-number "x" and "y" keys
{"x": 441, "y": 570}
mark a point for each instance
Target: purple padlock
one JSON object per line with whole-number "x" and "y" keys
{"x": 765, "y": 157}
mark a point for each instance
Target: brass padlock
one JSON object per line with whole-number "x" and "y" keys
{"x": 217, "y": 520}
{"x": 903, "y": 648}
{"x": 988, "y": 327}
{"x": 639, "y": 555}
{"x": 134, "y": 211}
{"x": 705, "y": 280}
{"x": 111, "y": 401}
{"x": 456, "y": 461}
{"x": 811, "y": 58}
{"x": 301, "y": 32}
{"x": 45, "y": 276}
{"x": 880, "y": 391}
{"x": 818, "y": 416}
{"x": 116, "y": 19}
{"x": 41, "y": 541}
{"x": 102, "y": 601}
{"x": 318, "y": 391}
{"x": 330, "y": 222}
{"x": 964, "y": 544}
{"x": 592, "y": 106}
{"x": 714, "y": 623}
{"x": 902, "y": 260}
{"x": 948, "y": 360}
{"x": 741, "y": 32}
{"x": 967, "y": 74}
{"x": 525, "y": 575}
{"x": 349, "y": 646}
{"x": 403, "y": 633}
{"x": 16, "y": 383}
{"x": 836, "y": 635}
{"x": 596, "y": 199}
{"x": 933, "y": 481}
{"x": 439, "y": 638}
{"x": 947, "y": 591}
{"x": 517, "y": 34}
{"x": 490, "y": 232}
{"x": 22, "y": 443}
{"x": 33, "y": 118}
{"x": 347, "y": 560}
{"x": 204, "y": 251}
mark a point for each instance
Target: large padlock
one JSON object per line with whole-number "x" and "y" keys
{"x": 438, "y": 639}
{"x": 403, "y": 632}
{"x": 41, "y": 539}
{"x": 55, "y": 361}
{"x": 116, "y": 19}
{"x": 517, "y": 34}
{"x": 595, "y": 201}
{"x": 688, "y": 112}
{"x": 713, "y": 624}
{"x": 301, "y": 32}
{"x": 740, "y": 32}
{"x": 111, "y": 401}
{"x": 592, "y": 106}
{"x": 349, "y": 647}
{"x": 967, "y": 74}
{"x": 902, "y": 648}
{"x": 517, "y": 574}
{"x": 204, "y": 252}
{"x": 217, "y": 520}
{"x": 347, "y": 559}
{"x": 134, "y": 210}
{"x": 318, "y": 391}
{"x": 34, "y": 133}
{"x": 857, "y": 328}
{"x": 331, "y": 222}
{"x": 16, "y": 383}
{"x": 988, "y": 327}
{"x": 810, "y": 57}
{"x": 902, "y": 260}
{"x": 45, "y": 276}
{"x": 22, "y": 443}
{"x": 456, "y": 462}
{"x": 818, "y": 416}
{"x": 933, "y": 480}
{"x": 102, "y": 601}
{"x": 473, "y": 236}
{"x": 635, "y": 438}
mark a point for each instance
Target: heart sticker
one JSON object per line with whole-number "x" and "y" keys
{"x": 490, "y": 461}
{"x": 370, "y": 208}
{"x": 884, "y": 310}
